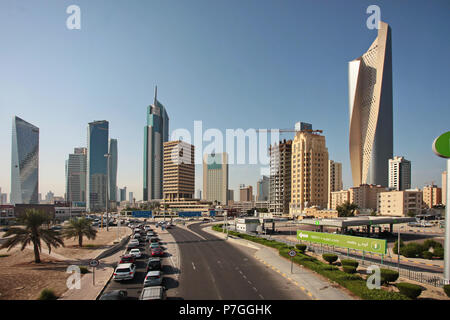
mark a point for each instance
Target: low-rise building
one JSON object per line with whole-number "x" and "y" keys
{"x": 247, "y": 224}
{"x": 338, "y": 198}
{"x": 316, "y": 212}
{"x": 400, "y": 203}
{"x": 432, "y": 196}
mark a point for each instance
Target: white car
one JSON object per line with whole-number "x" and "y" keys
{"x": 133, "y": 243}
{"x": 135, "y": 252}
{"x": 124, "y": 271}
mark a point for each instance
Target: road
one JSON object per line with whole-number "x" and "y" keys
{"x": 212, "y": 269}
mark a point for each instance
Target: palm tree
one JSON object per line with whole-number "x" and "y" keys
{"x": 35, "y": 228}
{"x": 78, "y": 228}
{"x": 347, "y": 209}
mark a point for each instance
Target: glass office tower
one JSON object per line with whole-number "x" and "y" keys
{"x": 156, "y": 132}
{"x": 113, "y": 170}
{"x": 97, "y": 145}
{"x": 24, "y": 162}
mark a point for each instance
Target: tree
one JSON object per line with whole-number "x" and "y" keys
{"x": 411, "y": 213}
{"x": 346, "y": 209}
{"x": 79, "y": 228}
{"x": 34, "y": 230}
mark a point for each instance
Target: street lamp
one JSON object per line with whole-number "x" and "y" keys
{"x": 107, "y": 156}
{"x": 398, "y": 248}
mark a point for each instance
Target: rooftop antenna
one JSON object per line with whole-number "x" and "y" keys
{"x": 156, "y": 94}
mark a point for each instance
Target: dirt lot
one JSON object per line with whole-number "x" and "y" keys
{"x": 22, "y": 279}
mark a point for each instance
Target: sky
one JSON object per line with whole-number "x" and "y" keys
{"x": 230, "y": 64}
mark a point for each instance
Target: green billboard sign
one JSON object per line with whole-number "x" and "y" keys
{"x": 339, "y": 240}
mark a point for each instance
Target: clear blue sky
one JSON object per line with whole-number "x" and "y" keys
{"x": 232, "y": 64}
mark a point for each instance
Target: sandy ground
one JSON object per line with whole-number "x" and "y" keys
{"x": 23, "y": 279}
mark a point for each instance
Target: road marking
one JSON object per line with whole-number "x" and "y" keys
{"x": 256, "y": 290}
{"x": 309, "y": 294}
{"x": 244, "y": 276}
{"x": 249, "y": 281}
{"x": 193, "y": 266}
{"x": 261, "y": 296}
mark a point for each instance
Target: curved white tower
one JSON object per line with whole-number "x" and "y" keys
{"x": 370, "y": 100}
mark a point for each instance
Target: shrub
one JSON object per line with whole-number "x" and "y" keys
{"x": 409, "y": 289}
{"x": 349, "y": 269}
{"x": 83, "y": 270}
{"x": 430, "y": 243}
{"x": 447, "y": 290}
{"x": 350, "y": 262}
{"x": 412, "y": 250}
{"x": 439, "y": 252}
{"x": 427, "y": 255}
{"x": 329, "y": 268}
{"x": 301, "y": 247}
{"x": 388, "y": 275}
{"x": 329, "y": 257}
{"x": 395, "y": 248}
{"x": 47, "y": 294}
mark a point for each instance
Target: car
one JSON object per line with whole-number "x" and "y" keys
{"x": 153, "y": 278}
{"x": 128, "y": 258}
{"x": 154, "y": 245}
{"x": 153, "y": 293}
{"x": 135, "y": 252}
{"x": 153, "y": 264}
{"x": 115, "y": 295}
{"x": 157, "y": 252}
{"x": 154, "y": 239}
{"x": 150, "y": 233}
{"x": 134, "y": 243}
{"x": 147, "y": 228}
{"x": 124, "y": 271}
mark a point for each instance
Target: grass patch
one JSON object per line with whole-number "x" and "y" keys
{"x": 352, "y": 282}
{"x": 4, "y": 255}
{"x": 91, "y": 245}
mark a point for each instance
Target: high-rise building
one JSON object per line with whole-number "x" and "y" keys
{"x": 371, "y": 119}
{"x": 130, "y": 197}
{"x": 432, "y": 195}
{"x": 123, "y": 194}
{"x": 76, "y": 170}
{"x": 3, "y": 198}
{"x": 338, "y": 198}
{"x": 262, "y": 189}
{"x": 302, "y": 126}
{"x": 365, "y": 196}
{"x": 97, "y": 147}
{"x": 198, "y": 194}
{"x": 280, "y": 178}
{"x": 334, "y": 178}
{"x": 49, "y": 197}
{"x": 444, "y": 188}
{"x": 230, "y": 195}
{"x": 309, "y": 172}
{"x": 179, "y": 171}
{"x": 245, "y": 193}
{"x": 399, "y": 173}
{"x": 215, "y": 177}
{"x": 113, "y": 170}
{"x": 24, "y": 162}
{"x": 156, "y": 133}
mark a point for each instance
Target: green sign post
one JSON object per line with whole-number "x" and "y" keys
{"x": 349, "y": 242}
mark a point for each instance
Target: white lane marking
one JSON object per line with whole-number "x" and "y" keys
{"x": 193, "y": 266}
{"x": 249, "y": 281}
{"x": 240, "y": 271}
{"x": 261, "y": 296}
{"x": 255, "y": 289}
{"x": 244, "y": 276}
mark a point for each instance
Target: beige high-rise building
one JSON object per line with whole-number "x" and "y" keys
{"x": 280, "y": 178}
{"x": 399, "y": 203}
{"x": 215, "y": 178}
{"x": 444, "y": 188}
{"x": 334, "y": 178}
{"x": 246, "y": 193}
{"x": 179, "y": 171}
{"x": 365, "y": 196}
{"x": 432, "y": 196}
{"x": 399, "y": 173}
{"x": 338, "y": 198}
{"x": 309, "y": 172}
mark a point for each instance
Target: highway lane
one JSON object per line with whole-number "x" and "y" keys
{"x": 213, "y": 269}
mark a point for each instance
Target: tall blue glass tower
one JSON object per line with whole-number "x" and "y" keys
{"x": 113, "y": 170}
{"x": 24, "y": 162}
{"x": 156, "y": 132}
{"x": 96, "y": 184}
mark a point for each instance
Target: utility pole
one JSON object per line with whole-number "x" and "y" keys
{"x": 107, "y": 155}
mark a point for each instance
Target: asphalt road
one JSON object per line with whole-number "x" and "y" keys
{"x": 212, "y": 269}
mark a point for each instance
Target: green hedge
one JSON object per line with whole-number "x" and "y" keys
{"x": 349, "y": 262}
{"x": 447, "y": 290}
{"x": 47, "y": 294}
{"x": 409, "y": 289}
{"x": 427, "y": 255}
{"x": 349, "y": 269}
{"x": 301, "y": 247}
{"x": 352, "y": 282}
{"x": 388, "y": 275}
{"x": 329, "y": 257}
{"x": 84, "y": 270}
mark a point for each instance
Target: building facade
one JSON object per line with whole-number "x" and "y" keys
{"x": 245, "y": 193}
{"x": 339, "y": 198}
{"x": 371, "y": 115}
{"x": 179, "y": 171}
{"x": 262, "y": 189}
{"x": 156, "y": 133}
{"x": 123, "y": 194}
{"x": 444, "y": 188}
{"x": 215, "y": 178}
{"x": 280, "y": 178}
{"x": 399, "y": 203}
{"x": 399, "y": 174}
{"x": 24, "y": 162}
{"x": 113, "y": 170}
{"x": 432, "y": 196}
{"x": 97, "y": 147}
{"x": 76, "y": 172}
{"x": 365, "y": 196}
{"x": 230, "y": 195}
{"x": 334, "y": 178}
{"x": 309, "y": 172}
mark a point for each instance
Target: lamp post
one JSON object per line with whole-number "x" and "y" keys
{"x": 398, "y": 249}
{"x": 107, "y": 156}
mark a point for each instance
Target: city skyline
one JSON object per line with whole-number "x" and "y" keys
{"x": 416, "y": 101}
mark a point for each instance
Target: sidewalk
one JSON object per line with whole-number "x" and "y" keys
{"x": 313, "y": 284}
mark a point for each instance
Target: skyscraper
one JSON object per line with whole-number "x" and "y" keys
{"x": 24, "y": 162}
{"x": 371, "y": 121}
{"x": 245, "y": 193}
{"x": 76, "y": 170}
{"x": 156, "y": 132}
{"x": 309, "y": 172}
{"x": 334, "y": 178}
{"x": 123, "y": 194}
{"x": 262, "y": 189}
{"x": 399, "y": 174}
{"x": 113, "y": 170}
{"x": 280, "y": 177}
{"x": 97, "y": 147}
{"x": 215, "y": 177}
